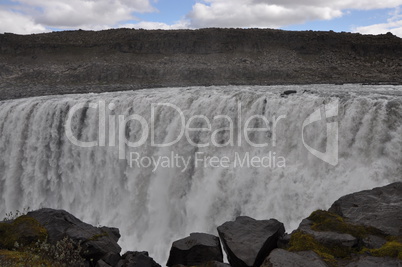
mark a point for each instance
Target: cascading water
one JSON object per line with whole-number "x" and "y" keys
{"x": 157, "y": 204}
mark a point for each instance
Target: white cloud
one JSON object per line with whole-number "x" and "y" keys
{"x": 74, "y": 14}
{"x": 255, "y": 15}
{"x": 31, "y": 16}
{"x": 18, "y": 23}
{"x": 393, "y": 25}
{"x": 148, "y": 25}
{"x": 79, "y": 13}
{"x": 274, "y": 13}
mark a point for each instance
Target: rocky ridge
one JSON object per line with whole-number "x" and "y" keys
{"x": 360, "y": 229}
{"x": 128, "y": 59}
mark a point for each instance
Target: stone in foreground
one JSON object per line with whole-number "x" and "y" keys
{"x": 368, "y": 261}
{"x": 248, "y": 242}
{"x": 328, "y": 238}
{"x": 137, "y": 259}
{"x": 282, "y": 258}
{"x": 196, "y": 249}
{"x": 207, "y": 264}
{"x": 96, "y": 242}
{"x": 380, "y": 208}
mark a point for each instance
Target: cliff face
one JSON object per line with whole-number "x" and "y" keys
{"x": 86, "y": 61}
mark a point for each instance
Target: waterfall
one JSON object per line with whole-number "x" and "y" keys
{"x": 208, "y": 176}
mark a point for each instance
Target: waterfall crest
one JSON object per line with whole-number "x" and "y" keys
{"x": 153, "y": 206}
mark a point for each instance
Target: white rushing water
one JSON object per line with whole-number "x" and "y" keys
{"x": 153, "y": 206}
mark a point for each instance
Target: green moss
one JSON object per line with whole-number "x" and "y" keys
{"x": 19, "y": 258}
{"x": 395, "y": 238}
{"x": 390, "y": 249}
{"x": 96, "y": 237}
{"x": 22, "y": 231}
{"x": 23, "y": 242}
{"x": 327, "y": 221}
{"x": 300, "y": 241}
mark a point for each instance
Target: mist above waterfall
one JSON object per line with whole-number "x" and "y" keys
{"x": 154, "y": 204}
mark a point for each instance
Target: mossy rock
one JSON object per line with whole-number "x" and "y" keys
{"x": 300, "y": 241}
{"x": 10, "y": 258}
{"x": 98, "y": 236}
{"x": 391, "y": 249}
{"x": 24, "y": 230}
{"x": 327, "y": 221}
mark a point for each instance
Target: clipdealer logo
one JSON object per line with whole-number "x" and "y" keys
{"x": 239, "y": 131}
{"x": 326, "y": 111}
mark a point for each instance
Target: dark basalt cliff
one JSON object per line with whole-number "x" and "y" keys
{"x": 88, "y": 61}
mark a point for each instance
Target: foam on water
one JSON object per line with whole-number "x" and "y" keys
{"x": 40, "y": 167}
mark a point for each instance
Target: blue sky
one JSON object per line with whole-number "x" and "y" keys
{"x": 169, "y": 11}
{"x": 364, "y": 16}
{"x": 350, "y": 20}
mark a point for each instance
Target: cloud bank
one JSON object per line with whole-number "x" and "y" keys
{"x": 393, "y": 25}
{"x": 18, "y": 23}
{"x": 32, "y": 16}
{"x": 275, "y": 13}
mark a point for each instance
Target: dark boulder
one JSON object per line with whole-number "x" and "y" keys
{"x": 283, "y": 241}
{"x": 288, "y": 92}
{"x": 196, "y": 249}
{"x": 96, "y": 242}
{"x": 369, "y": 261}
{"x": 248, "y": 242}
{"x": 367, "y": 224}
{"x": 113, "y": 232}
{"x": 373, "y": 241}
{"x": 282, "y": 258}
{"x": 137, "y": 259}
{"x": 111, "y": 258}
{"x": 380, "y": 208}
{"x": 328, "y": 238}
{"x": 215, "y": 264}
{"x": 207, "y": 264}
{"x": 101, "y": 263}
{"x": 23, "y": 231}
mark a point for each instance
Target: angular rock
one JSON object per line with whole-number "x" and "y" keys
{"x": 113, "y": 232}
{"x": 23, "y": 231}
{"x": 137, "y": 259}
{"x": 282, "y": 258}
{"x": 196, "y": 249}
{"x": 283, "y": 241}
{"x": 288, "y": 92}
{"x": 215, "y": 264}
{"x": 96, "y": 242}
{"x": 373, "y": 241}
{"x": 248, "y": 242}
{"x": 101, "y": 263}
{"x": 369, "y": 261}
{"x": 380, "y": 208}
{"x": 328, "y": 238}
{"x": 111, "y": 258}
{"x": 207, "y": 264}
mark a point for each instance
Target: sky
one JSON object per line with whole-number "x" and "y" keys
{"x": 363, "y": 16}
